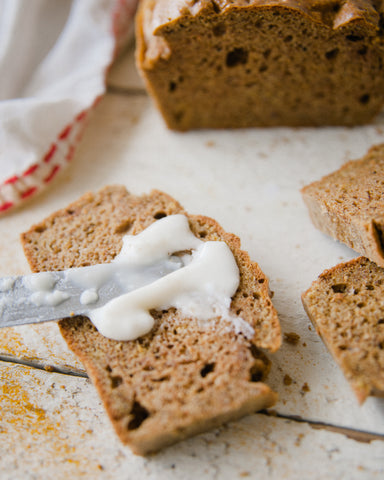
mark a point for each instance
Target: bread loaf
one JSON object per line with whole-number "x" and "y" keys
{"x": 349, "y": 204}
{"x": 242, "y": 63}
{"x": 183, "y": 377}
{"x": 346, "y": 306}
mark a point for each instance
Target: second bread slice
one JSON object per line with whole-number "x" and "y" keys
{"x": 349, "y": 204}
{"x": 346, "y": 306}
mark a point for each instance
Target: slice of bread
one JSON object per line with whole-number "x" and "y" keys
{"x": 349, "y": 204}
{"x": 242, "y": 63}
{"x": 346, "y": 306}
{"x": 183, "y": 377}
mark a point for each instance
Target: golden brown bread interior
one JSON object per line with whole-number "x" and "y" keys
{"x": 241, "y": 63}
{"x": 346, "y": 306}
{"x": 349, "y": 204}
{"x": 183, "y": 377}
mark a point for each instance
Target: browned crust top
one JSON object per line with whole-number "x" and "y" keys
{"x": 332, "y": 13}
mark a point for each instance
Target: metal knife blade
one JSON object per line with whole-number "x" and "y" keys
{"x": 20, "y": 304}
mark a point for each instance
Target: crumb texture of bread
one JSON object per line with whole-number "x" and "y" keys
{"x": 242, "y": 63}
{"x": 345, "y": 304}
{"x": 349, "y": 204}
{"x": 185, "y": 376}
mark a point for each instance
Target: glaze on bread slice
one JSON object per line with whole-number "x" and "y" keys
{"x": 183, "y": 377}
{"x": 242, "y": 63}
{"x": 346, "y": 306}
{"x": 349, "y": 204}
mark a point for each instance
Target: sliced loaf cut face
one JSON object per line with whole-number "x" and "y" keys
{"x": 346, "y": 306}
{"x": 243, "y": 63}
{"x": 349, "y": 204}
{"x": 184, "y": 377}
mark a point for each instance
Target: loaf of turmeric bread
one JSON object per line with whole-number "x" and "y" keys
{"x": 242, "y": 63}
{"x": 183, "y": 377}
{"x": 349, "y": 204}
{"x": 346, "y": 306}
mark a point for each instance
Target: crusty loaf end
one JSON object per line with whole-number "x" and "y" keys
{"x": 236, "y": 63}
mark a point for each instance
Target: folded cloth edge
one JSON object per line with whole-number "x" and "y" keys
{"x": 22, "y": 186}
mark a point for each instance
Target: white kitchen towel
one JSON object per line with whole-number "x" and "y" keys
{"x": 54, "y": 56}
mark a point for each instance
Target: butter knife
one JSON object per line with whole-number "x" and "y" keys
{"x": 47, "y": 296}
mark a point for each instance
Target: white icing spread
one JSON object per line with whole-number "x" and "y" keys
{"x": 157, "y": 242}
{"x": 199, "y": 281}
{"x": 202, "y": 288}
{"x": 89, "y": 278}
{"x": 51, "y": 298}
{"x": 42, "y": 285}
{"x": 44, "y": 281}
{"x": 89, "y": 296}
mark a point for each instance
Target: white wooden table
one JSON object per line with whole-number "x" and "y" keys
{"x": 52, "y": 424}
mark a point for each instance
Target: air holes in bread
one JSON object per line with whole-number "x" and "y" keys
{"x": 332, "y": 54}
{"x": 238, "y": 56}
{"x": 364, "y": 99}
{"x": 363, "y": 50}
{"x": 257, "y": 371}
{"x": 123, "y": 227}
{"x": 162, "y": 379}
{"x": 116, "y": 380}
{"x": 159, "y": 215}
{"x": 219, "y": 30}
{"x": 339, "y": 287}
{"x": 178, "y": 116}
{"x": 354, "y": 38}
{"x": 267, "y": 53}
{"x": 208, "y": 368}
{"x": 138, "y": 414}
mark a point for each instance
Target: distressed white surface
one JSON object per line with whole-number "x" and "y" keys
{"x": 59, "y": 430}
{"x": 249, "y": 181}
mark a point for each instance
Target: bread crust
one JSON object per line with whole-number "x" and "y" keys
{"x": 345, "y": 306}
{"x": 183, "y": 377}
{"x": 348, "y": 204}
{"x": 230, "y": 64}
